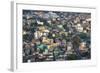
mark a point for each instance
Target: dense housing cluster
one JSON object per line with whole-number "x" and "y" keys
{"x": 56, "y": 36}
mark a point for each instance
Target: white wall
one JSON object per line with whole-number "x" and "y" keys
{"x": 5, "y": 34}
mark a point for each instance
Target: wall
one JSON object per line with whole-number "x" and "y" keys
{"x": 5, "y": 35}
